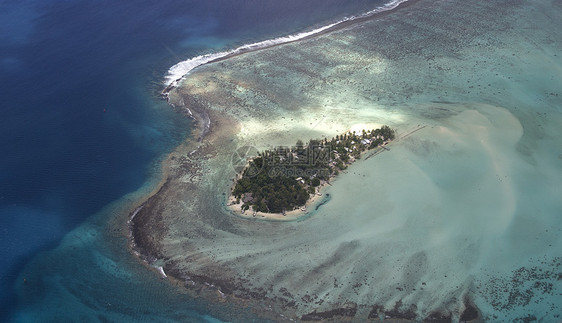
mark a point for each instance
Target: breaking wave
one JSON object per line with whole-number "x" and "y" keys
{"x": 177, "y": 72}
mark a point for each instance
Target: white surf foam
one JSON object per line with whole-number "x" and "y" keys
{"x": 135, "y": 213}
{"x": 161, "y": 271}
{"x": 177, "y": 72}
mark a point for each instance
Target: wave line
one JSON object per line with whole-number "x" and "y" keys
{"x": 180, "y": 70}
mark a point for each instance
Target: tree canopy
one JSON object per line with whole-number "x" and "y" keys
{"x": 283, "y": 178}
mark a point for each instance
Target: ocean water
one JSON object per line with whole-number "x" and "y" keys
{"x": 82, "y": 128}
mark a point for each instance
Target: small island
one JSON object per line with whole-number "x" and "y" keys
{"x": 283, "y": 179}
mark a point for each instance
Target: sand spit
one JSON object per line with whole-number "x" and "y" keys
{"x": 459, "y": 221}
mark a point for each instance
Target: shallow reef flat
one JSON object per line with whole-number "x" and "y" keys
{"x": 457, "y": 221}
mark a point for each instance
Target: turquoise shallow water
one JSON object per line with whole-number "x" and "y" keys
{"x": 466, "y": 208}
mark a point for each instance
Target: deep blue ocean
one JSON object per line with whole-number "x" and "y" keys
{"x": 82, "y": 125}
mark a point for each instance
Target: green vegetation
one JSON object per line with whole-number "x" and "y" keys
{"x": 283, "y": 179}
{"x": 315, "y": 182}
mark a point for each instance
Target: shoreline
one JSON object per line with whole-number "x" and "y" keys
{"x": 293, "y": 215}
